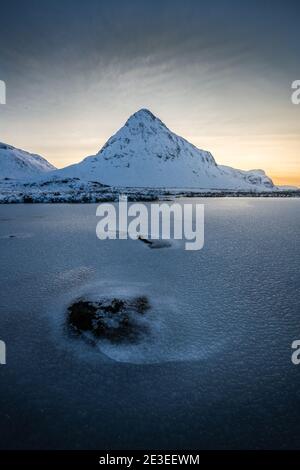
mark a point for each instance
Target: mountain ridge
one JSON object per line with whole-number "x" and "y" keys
{"x": 16, "y": 163}
{"x": 144, "y": 152}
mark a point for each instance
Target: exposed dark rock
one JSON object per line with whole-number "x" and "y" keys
{"x": 82, "y": 314}
{"x": 27, "y": 199}
{"x": 145, "y": 240}
{"x": 142, "y": 304}
{"x": 155, "y": 244}
{"x": 116, "y": 320}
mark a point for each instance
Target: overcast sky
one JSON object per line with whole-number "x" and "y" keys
{"x": 218, "y": 73}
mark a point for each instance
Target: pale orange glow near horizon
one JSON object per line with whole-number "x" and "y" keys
{"x": 289, "y": 180}
{"x": 242, "y": 125}
{"x": 223, "y": 80}
{"x": 245, "y": 121}
{"x": 277, "y": 155}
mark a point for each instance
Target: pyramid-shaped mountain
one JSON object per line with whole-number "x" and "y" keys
{"x": 145, "y": 153}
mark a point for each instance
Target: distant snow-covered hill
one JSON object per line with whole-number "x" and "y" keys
{"x": 145, "y": 153}
{"x": 17, "y": 164}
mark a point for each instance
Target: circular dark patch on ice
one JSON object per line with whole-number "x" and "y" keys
{"x": 114, "y": 319}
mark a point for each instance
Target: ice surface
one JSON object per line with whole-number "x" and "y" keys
{"x": 216, "y": 369}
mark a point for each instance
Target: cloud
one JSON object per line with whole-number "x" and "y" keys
{"x": 218, "y": 67}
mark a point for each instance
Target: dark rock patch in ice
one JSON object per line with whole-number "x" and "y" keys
{"x": 155, "y": 244}
{"x": 16, "y": 236}
{"x": 114, "y": 319}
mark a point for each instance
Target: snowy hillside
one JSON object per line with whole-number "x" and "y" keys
{"x": 17, "y": 164}
{"x": 145, "y": 153}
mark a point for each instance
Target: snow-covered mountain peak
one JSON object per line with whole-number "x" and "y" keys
{"x": 145, "y": 153}
{"x": 145, "y": 138}
{"x": 143, "y": 115}
{"x": 19, "y": 164}
{"x": 144, "y": 119}
{"x": 141, "y": 128}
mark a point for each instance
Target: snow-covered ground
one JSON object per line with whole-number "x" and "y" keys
{"x": 75, "y": 190}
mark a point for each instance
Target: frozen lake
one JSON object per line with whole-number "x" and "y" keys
{"x": 216, "y": 370}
